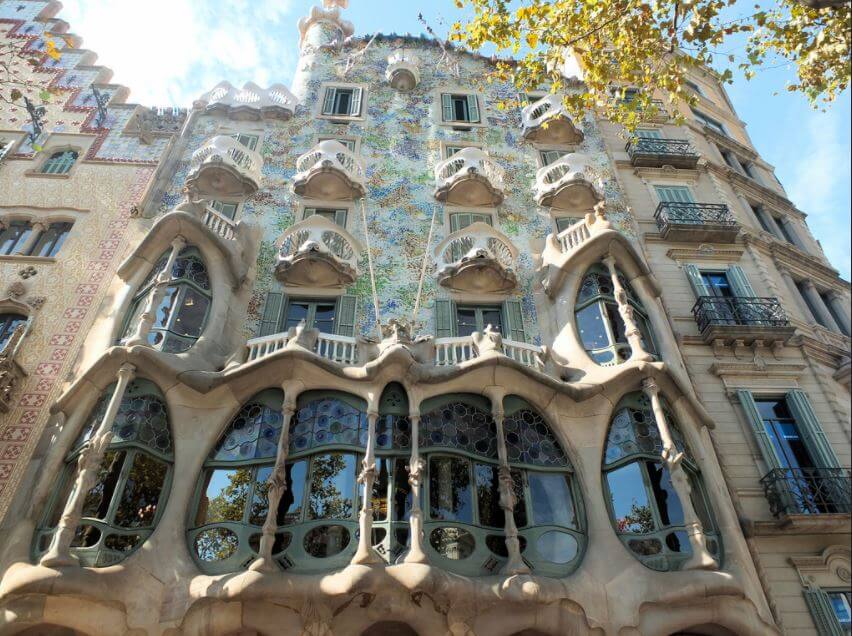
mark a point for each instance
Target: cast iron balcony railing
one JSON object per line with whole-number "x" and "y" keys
{"x": 647, "y": 152}
{"x": 808, "y": 491}
{"x": 712, "y": 311}
{"x": 705, "y": 222}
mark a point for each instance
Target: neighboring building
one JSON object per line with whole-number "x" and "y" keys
{"x": 590, "y": 389}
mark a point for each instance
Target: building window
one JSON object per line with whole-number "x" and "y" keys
{"x": 717, "y": 284}
{"x": 550, "y": 156}
{"x": 59, "y": 162}
{"x": 14, "y": 237}
{"x": 455, "y": 321}
{"x": 316, "y": 314}
{"x": 731, "y": 160}
{"x": 674, "y": 194}
{"x": 123, "y": 507}
{"x": 834, "y": 311}
{"x": 228, "y": 210}
{"x": 181, "y": 316}
{"x": 5, "y": 147}
{"x": 337, "y": 216}
{"x": 460, "y": 108}
{"x": 249, "y": 141}
{"x": 342, "y": 101}
{"x": 50, "y": 241}
{"x": 841, "y": 605}
{"x": 328, "y": 315}
{"x": 8, "y": 324}
{"x": 347, "y": 142}
{"x": 642, "y": 501}
{"x": 599, "y": 323}
{"x": 477, "y": 318}
{"x": 693, "y": 86}
{"x": 649, "y": 133}
{"x": 19, "y": 238}
{"x": 564, "y": 222}
{"x": 451, "y": 149}
{"x": 761, "y": 215}
{"x": 786, "y": 231}
{"x": 711, "y": 123}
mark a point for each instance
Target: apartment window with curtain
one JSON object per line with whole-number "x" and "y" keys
{"x": 460, "y": 108}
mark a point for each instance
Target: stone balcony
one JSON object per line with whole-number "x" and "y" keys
{"x": 402, "y": 72}
{"x": 223, "y": 168}
{"x": 546, "y": 121}
{"x": 317, "y": 252}
{"x": 647, "y": 152}
{"x": 329, "y": 171}
{"x": 477, "y": 259}
{"x": 568, "y": 184}
{"x": 469, "y": 177}
{"x": 11, "y": 372}
{"x": 742, "y": 320}
{"x": 251, "y": 102}
{"x": 220, "y": 225}
{"x": 809, "y": 500}
{"x": 699, "y": 222}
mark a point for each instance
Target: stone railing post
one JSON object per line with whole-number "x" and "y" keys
{"x": 88, "y": 463}
{"x": 158, "y": 292}
{"x": 631, "y": 331}
{"x": 416, "y": 466}
{"x": 365, "y": 553}
{"x": 673, "y": 460}
{"x": 277, "y": 486}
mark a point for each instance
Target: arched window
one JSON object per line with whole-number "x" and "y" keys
{"x": 17, "y": 238}
{"x": 464, "y": 523}
{"x": 643, "y": 504}
{"x": 124, "y": 506}
{"x": 599, "y": 323}
{"x": 59, "y": 162}
{"x": 8, "y": 324}
{"x": 182, "y": 314}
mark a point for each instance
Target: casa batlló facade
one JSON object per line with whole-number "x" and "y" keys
{"x": 369, "y": 355}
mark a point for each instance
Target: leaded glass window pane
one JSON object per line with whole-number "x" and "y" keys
{"x": 630, "y": 503}
{"x": 97, "y": 501}
{"x": 142, "y": 491}
{"x": 327, "y": 421}
{"x": 552, "y": 500}
{"x": 529, "y": 440}
{"x": 461, "y": 426}
{"x": 668, "y": 503}
{"x": 252, "y": 434}
{"x": 225, "y": 495}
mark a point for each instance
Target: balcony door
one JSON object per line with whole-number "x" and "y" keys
{"x": 470, "y": 319}
{"x": 717, "y": 284}
{"x": 783, "y": 432}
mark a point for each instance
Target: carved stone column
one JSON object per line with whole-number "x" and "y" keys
{"x": 37, "y": 229}
{"x": 277, "y": 486}
{"x": 88, "y": 463}
{"x": 158, "y": 292}
{"x": 416, "y": 465}
{"x": 515, "y": 563}
{"x": 797, "y": 295}
{"x": 817, "y": 304}
{"x": 365, "y": 553}
{"x": 841, "y": 311}
{"x": 673, "y": 459}
{"x": 631, "y": 331}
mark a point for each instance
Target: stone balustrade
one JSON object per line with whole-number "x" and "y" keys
{"x": 319, "y": 253}
{"x": 402, "y": 73}
{"x": 250, "y": 102}
{"x": 568, "y": 183}
{"x": 219, "y": 224}
{"x": 477, "y": 259}
{"x": 329, "y": 170}
{"x": 469, "y": 177}
{"x": 224, "y": 168}
{"x": 547, "y": 121}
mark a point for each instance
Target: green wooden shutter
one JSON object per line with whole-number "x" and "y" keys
{"x": 472, "y": 109}
{"x": 674, "y": 194}
{"x": 739, "y": 283}
{"x": 345, "y": 319}
{"x": 767, "y": 451}
{"x": 271, "y": 314}
{"x": 328, "y": 102}
{"x": 447, "y": 104}
{"x": 812, "y": 433}
{"x": 695, "y": 279}
{"x": 355, "y": 108}
{"x": 822, "y": 613}
{"x": 514, "y": 320}
{"x": 445, "y": 319}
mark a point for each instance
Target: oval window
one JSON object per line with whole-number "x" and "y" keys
{"x": 86, "y": 537}
{"x": 216, "y": 544}
{"x": 452, "y": 543}
{"x": 326, "y": 541}
{"x": 557, "y": 547}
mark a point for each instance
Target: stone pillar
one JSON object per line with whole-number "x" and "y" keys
{"x": 823, "y": 315}
{"x": 673, "y": 459}
{"x": 631, "y": 331}
{"x": 277, "y": 485}
{"x": 365, "y": 553}
{"x": 37, "y": 229}
{"x": 791, "y": 234}
{"x": 415, "y": 467}
{"x": 841, "y": 311}
{"x": 797, "y": 295}
{"x": 88, "y": 463}
{"x": 515, "y": 564}
{"x": 770, "y": 221}
{"x": 146, "y": 320}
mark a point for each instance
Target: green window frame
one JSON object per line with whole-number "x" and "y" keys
{"x": 460, "y": 108}
{"x": 451, "y": 149}
{"x": 548, "y": 157}
{"x": 335, "y": 215}
{"x": 674, "y": 194}
{"x": 60, "y": 162}
{"x": 277, "y": 308}
{"x": 829, "y": 609}
{"x": 564, "y": 222}
{"x": 511, "y": 318}
{"x": 649, "y": 133}
{"x": 342, "y": 101}
{"x": 126, "y": 503}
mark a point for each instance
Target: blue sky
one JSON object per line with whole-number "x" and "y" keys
{"x": 175, "y": 50}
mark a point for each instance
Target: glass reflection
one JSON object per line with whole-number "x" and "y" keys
{"x": 225, "y": 496}
{"x": 332, "y": 486}
{"x": 142, "y": 490}
{"x": 450, "y": 496}
{"x": 552, "y": 501}
{"x": 629, "y": 498}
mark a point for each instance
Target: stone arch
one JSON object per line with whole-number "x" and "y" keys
{"x": 390, "y": 628}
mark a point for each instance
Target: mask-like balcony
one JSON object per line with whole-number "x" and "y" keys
{"x": 317, "y": 252}
{"x": 402, "y": 73}
{"x": 546, "y": 121}
{"x": 742, "y": 319}
{"x": 252, "y": 102}
{"x": 224, "y": 168}
{"x": 803, "y": 497}
{"x": 567, "y": 184}
{"x": 469, "y": 177}
{"x": 700, "y": 222}
{"x": 646, "y": 152}
{"x": 329, "y": 171}
{"x": 219, "y": 224}
{"x": 477, "y": 259}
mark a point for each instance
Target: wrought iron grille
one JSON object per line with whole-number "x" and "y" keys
{"x": 665, "y": 147}
{"x": 809, "y": 491}
{"x": 765, "y": 312}
{"x": 676, "y": 213}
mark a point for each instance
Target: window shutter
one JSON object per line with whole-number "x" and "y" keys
{"x": 271, "y": 314}
{"x": 812, "y": 433}
{"x": 445, "y": 319}
{"x": 345, "y": 325}
{"x": 822, "y": 613}
{"x": 309, "y": 212}
{"x": 328, "y": 102}
{"x": 459, "y": 221}
{"x": 514, "y": 321}
{"x": 481, "y": 218}
{"x": 674, "y": 194}
{"x": 355, "y": 107}
{"x": 340, "y": 217}
{"x": 767, "y": 451}
{"x": 739, "y": 283}
{"x": 694, "y": 276}
{"x": 447, "y": 105}
{"x": 472, "y": 109}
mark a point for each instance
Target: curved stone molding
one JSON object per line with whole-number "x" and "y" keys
{"x": 568, "y": 184}
{"x": 329, "y": 171}
{"x": 251, "y": 102}
{"x": 317, "y": 252}
{"x": 477, "y": 259}
{"x": 224, "y": 168}
{"x": 469, "y": 177}
{"x": 402, "y": 73}
{"x": 547, "y": 121}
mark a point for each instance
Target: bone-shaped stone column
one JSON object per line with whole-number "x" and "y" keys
{"x": 631, "y": 331}
{"x": 416, "y": 466}
{"x": 365, "y": 553}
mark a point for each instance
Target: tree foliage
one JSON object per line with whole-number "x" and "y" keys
{"x": 652, "y": 46}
